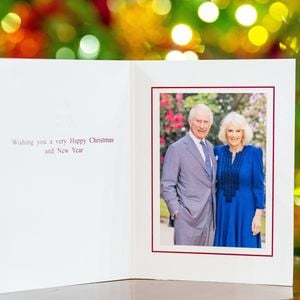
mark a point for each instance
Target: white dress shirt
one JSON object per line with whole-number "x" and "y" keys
{"x": 198, "y": 145}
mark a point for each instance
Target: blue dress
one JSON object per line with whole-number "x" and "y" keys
{"x": 240, "y": 191}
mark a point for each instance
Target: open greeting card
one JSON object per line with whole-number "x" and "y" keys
{"x": 82, "y": 148}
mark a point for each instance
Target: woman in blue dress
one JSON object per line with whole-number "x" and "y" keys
{"x": 240, "y": 186}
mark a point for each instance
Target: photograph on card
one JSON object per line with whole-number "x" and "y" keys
{"x": 212, "y": 170}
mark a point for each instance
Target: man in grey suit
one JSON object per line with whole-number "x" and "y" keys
{"x": 188, "y": 182}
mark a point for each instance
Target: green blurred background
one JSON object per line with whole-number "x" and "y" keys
{"x": 157, "y": 30}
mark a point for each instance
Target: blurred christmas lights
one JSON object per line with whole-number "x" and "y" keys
{"x": 178, "y": 55}
{"x": 182, "y": 34}
{"x": 11, "y": 23}
{"x": 278, "y": 11}
{"x": 89, "y": 47}
{"x": 149, "y": 29}
{"x": 65, "y": 32}
{"x": 270, "y": 23}
{"x": 190, "y": 55}
{"x": 208, "y": 12}
{"x": 246, "y": 15}
{"x": 258, "y": 35}
{"x": 161, "y": 7}
{"x": 175, "y": 55}
{"x": 65, "y": 53}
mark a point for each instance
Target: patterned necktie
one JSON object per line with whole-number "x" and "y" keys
{"x": 207, "y": 159}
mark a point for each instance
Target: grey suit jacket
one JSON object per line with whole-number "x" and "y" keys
{"x": 185, "y": 186}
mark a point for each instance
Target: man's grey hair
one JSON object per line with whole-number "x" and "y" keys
{"x": 200, "y": 107}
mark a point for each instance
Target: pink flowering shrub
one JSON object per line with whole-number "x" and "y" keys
{"x": 172, "y": 120}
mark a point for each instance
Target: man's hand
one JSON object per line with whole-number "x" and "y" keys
{"x": 175, "y": 215}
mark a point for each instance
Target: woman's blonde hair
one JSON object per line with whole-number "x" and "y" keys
{"x": 238, "y": 120}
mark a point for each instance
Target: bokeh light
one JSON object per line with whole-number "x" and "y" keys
{"x": 258, "y": 35}
{"x": 297, "y": 196}
{"x": 161, "y": 7}
{"x": 271, "y": 24}
{"x": 65, "y": 53}
{"x": 222, "y": 4}
{"x": 175, "y": 55}
{"x": 11, "y": 23}
{"x": 282, "y": 46}
{"x": 263, "y": 1}
{"x": 293, "y": 43}
{"x": 230, "y": 42}
{"x": 29, "y": 47}
{"x": 246, "y": 15}
{"x": 16, "y": 37}
{"x": 65, "y": 32}
{"x": 89, "y": 47}
{"x": 190, "y": 55}
{"x": 278, "y": 11}
{"x": 208, "y": 12}
{"x": 178, "y": 55}
{"x": 116, "y": 5}
{"x": 182, "y": 34}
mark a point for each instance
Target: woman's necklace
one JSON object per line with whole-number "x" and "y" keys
{"x": 235, "y": 150}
